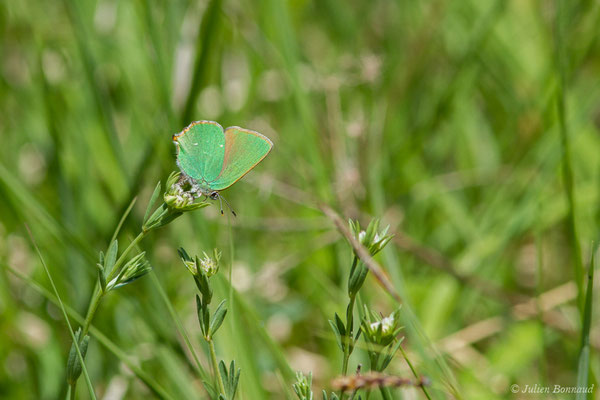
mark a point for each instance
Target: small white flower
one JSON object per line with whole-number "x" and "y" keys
{"x": 209, "y": 266}
{"x": 387, "y": 325}
{"x": 361, "y": 236}
{"x": 377, "y": 238}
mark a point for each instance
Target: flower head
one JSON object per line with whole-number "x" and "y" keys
{"x": 381, "y": 330}
{"x": 181, "y": 193}
{"x": 374, "y": 241}
{"x": 209, "y": 266}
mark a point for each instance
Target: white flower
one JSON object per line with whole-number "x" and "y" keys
{"x": 387, "y": 325}
{"x": 209, "y": 266}
{"x": 361, "y": 236}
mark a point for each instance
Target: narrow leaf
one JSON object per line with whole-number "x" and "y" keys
{"x": 583, "y": 366}
{"x": 111, "y": 257}
{"x": 340, "y": 325}
{"x": 74, "y": 367}
{"x": 218, "y": 318}
{"x": 338, "y": 337}
{"x": 152, "y": 201}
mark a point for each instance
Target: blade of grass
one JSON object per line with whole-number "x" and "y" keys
{"x": 62, "y": 307}
{"x": 120, "y": 224}
{"x": 254, "y": 321}
{"x": 567, "y": 170}
{"x": 100, "y": 99}
{"x": 205, "y": 48}
{"x": 103, "y": 339}
{"x": 583, "y": 366}
{"x": 204, "y": 377}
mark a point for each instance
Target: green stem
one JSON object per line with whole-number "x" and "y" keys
{"x": 349, "y": 334}
{"x": 213, "y": 358}
{"x": 71, "y": 394}
{"x": 414, "y": 371}
{"x": 385, "y": 395}
{"x": 94, "y": 303}
{"x": 99, "y": 294}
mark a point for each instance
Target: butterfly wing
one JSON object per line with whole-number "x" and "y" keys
{"x": 244, "y": 149}
{"x": 201, "y": 150}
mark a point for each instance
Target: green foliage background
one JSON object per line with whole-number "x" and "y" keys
{"x": 438, "y": 116}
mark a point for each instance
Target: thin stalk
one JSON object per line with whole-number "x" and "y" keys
{"x": 349, "y": 334}
{"x": 213, "y": 359}
{"x": 104, "y": 340}
{"x": 62, "y": 307}
{"x": 180, "y": 327}
{"x": 99, "y": 294}
{"x": 567, "y": 170}
{"x": 94, "y": 303}
{"x": 385, "y": 395}
{"x": 414, "y": 372}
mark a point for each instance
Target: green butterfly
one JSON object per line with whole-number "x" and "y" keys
{"x": 212, "y": 159}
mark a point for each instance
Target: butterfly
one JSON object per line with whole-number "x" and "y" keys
{"x": 212, "y": 159}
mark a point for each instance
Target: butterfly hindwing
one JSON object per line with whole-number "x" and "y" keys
{"x": 244, "y": 149}
{"x": 201, "y": 150}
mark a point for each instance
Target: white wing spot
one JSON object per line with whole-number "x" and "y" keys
{"x": 220, "y": 145}
{"x": 195, "y": 144}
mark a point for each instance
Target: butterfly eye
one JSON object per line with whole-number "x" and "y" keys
{"x": 214, "y": 195}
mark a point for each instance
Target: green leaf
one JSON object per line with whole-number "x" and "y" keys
{"x": 218, "y": 317}
{"x": 154, "y": 219}
{"x": 235, "y": 381}
{"x": 200, "y": 308}
{"x": 111, "y": 257}
{"x": 390, "y": 355}
{"x": 73, "y": 365}
{"x": 340, "y": 325}
{"x": 223, "y": 370}
{"x": 583, "y": 366}
{"x": 357, "y": 278}
{"x": 101, "y": 276}
{"x": 338, "y": 337}
{"x": 371, "y": 231}
{"x": 184, "y": 255}
{"x": 152, "y": 201}
{"x": 203, "y": 286}
{"x": 230, "y": 378}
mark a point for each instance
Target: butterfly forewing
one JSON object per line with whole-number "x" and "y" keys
{"x": 201, "y": 150}
{"x": 243, "y": 150}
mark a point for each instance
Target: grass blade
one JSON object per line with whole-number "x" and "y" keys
{"x": 62, "y": 307}
{"x": 567, "y": 170}
{"x": 204, "y": 377}
{"x": 584, "y": 355}
{"x": 103, "y": 339}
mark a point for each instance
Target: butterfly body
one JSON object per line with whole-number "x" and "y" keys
{"x": 212, "y": 159}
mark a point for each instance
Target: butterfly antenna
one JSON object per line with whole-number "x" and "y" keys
{"x": 230, "y": 209}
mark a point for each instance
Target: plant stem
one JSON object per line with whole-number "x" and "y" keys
{"x": 349, "y": 334}
{"x": 94, "y": 303}
{"x": 213, "y": 358}
{"x": 414, "y": 371}
{"x": 385, "y": 395}
{"x": 99, "y": 294}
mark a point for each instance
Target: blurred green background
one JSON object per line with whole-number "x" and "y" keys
{"x": 440, "y": 117}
